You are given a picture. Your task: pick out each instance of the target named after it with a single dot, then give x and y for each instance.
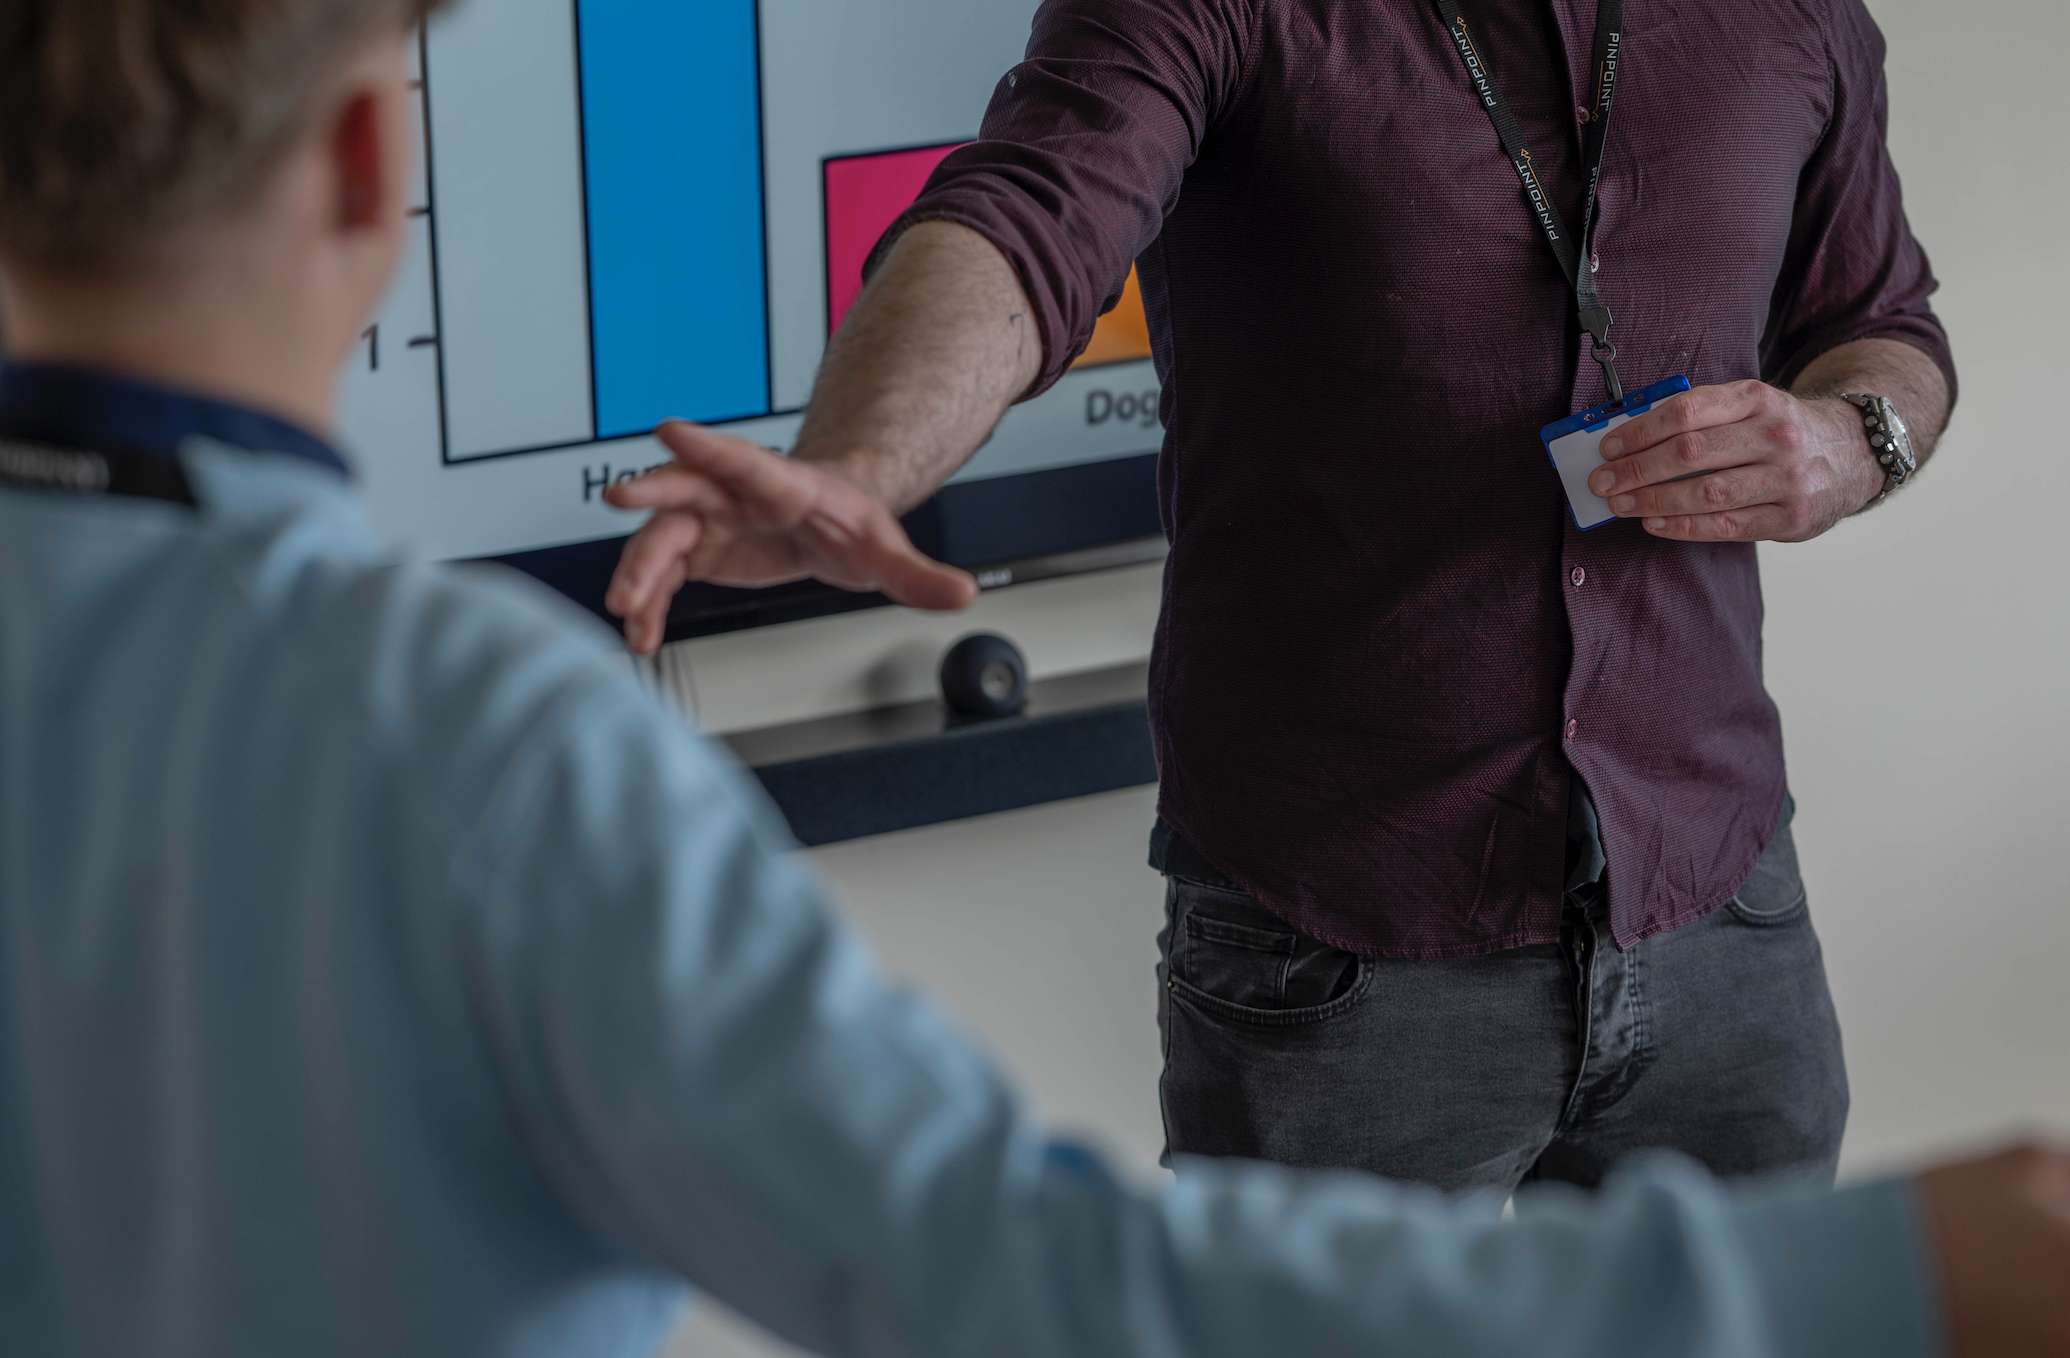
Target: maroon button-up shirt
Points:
(1385, 647)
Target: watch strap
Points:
(1887, 442)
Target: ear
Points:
(370, 161)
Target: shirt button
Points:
(1580, 577)
(1573, 728)
(1581, 112)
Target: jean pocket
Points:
(1228, 956)
(1774, 893)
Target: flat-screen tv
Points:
(641, 210)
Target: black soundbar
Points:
(898, 768)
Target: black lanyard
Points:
(1575, 256)
(70, 471)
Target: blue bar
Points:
(672, 123)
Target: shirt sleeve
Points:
(1084, 148)
(716, 1080)
(1853, 269)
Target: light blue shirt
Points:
(383, 971)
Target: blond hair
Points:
(124, 119)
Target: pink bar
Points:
(865, 195)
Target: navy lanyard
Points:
(70, 471)
(1576, 256)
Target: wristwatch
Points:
(1889, 440)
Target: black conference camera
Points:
(984, 677)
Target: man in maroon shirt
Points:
(1476, 823)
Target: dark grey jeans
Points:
(1717, 1040)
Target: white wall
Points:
(1921, 656)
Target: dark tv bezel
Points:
(1065, 520)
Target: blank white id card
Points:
(1575, 445)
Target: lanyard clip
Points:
(1597, 321)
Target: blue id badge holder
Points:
(1575, 445)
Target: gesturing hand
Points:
(727, 512)
(1745, 462)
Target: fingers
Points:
(669, 488)
(1703, 408)
(930, 586)
(1683, 455)
(734, 513)
(1715, 493)
(656, 553)
(716, 487)
(720, 475)
(1758, 523)
(647, 626)
(768, 489)
(654, 564)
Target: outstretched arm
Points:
(716, 1080)
(939, 346)
(994, 286)
(942, 342)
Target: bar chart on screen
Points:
(587, 290)
(635, 211)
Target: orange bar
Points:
(1123, 335)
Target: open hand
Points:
(1744, 462)
(727, 512)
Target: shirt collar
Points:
(85, 408)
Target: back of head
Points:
(124, 123)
